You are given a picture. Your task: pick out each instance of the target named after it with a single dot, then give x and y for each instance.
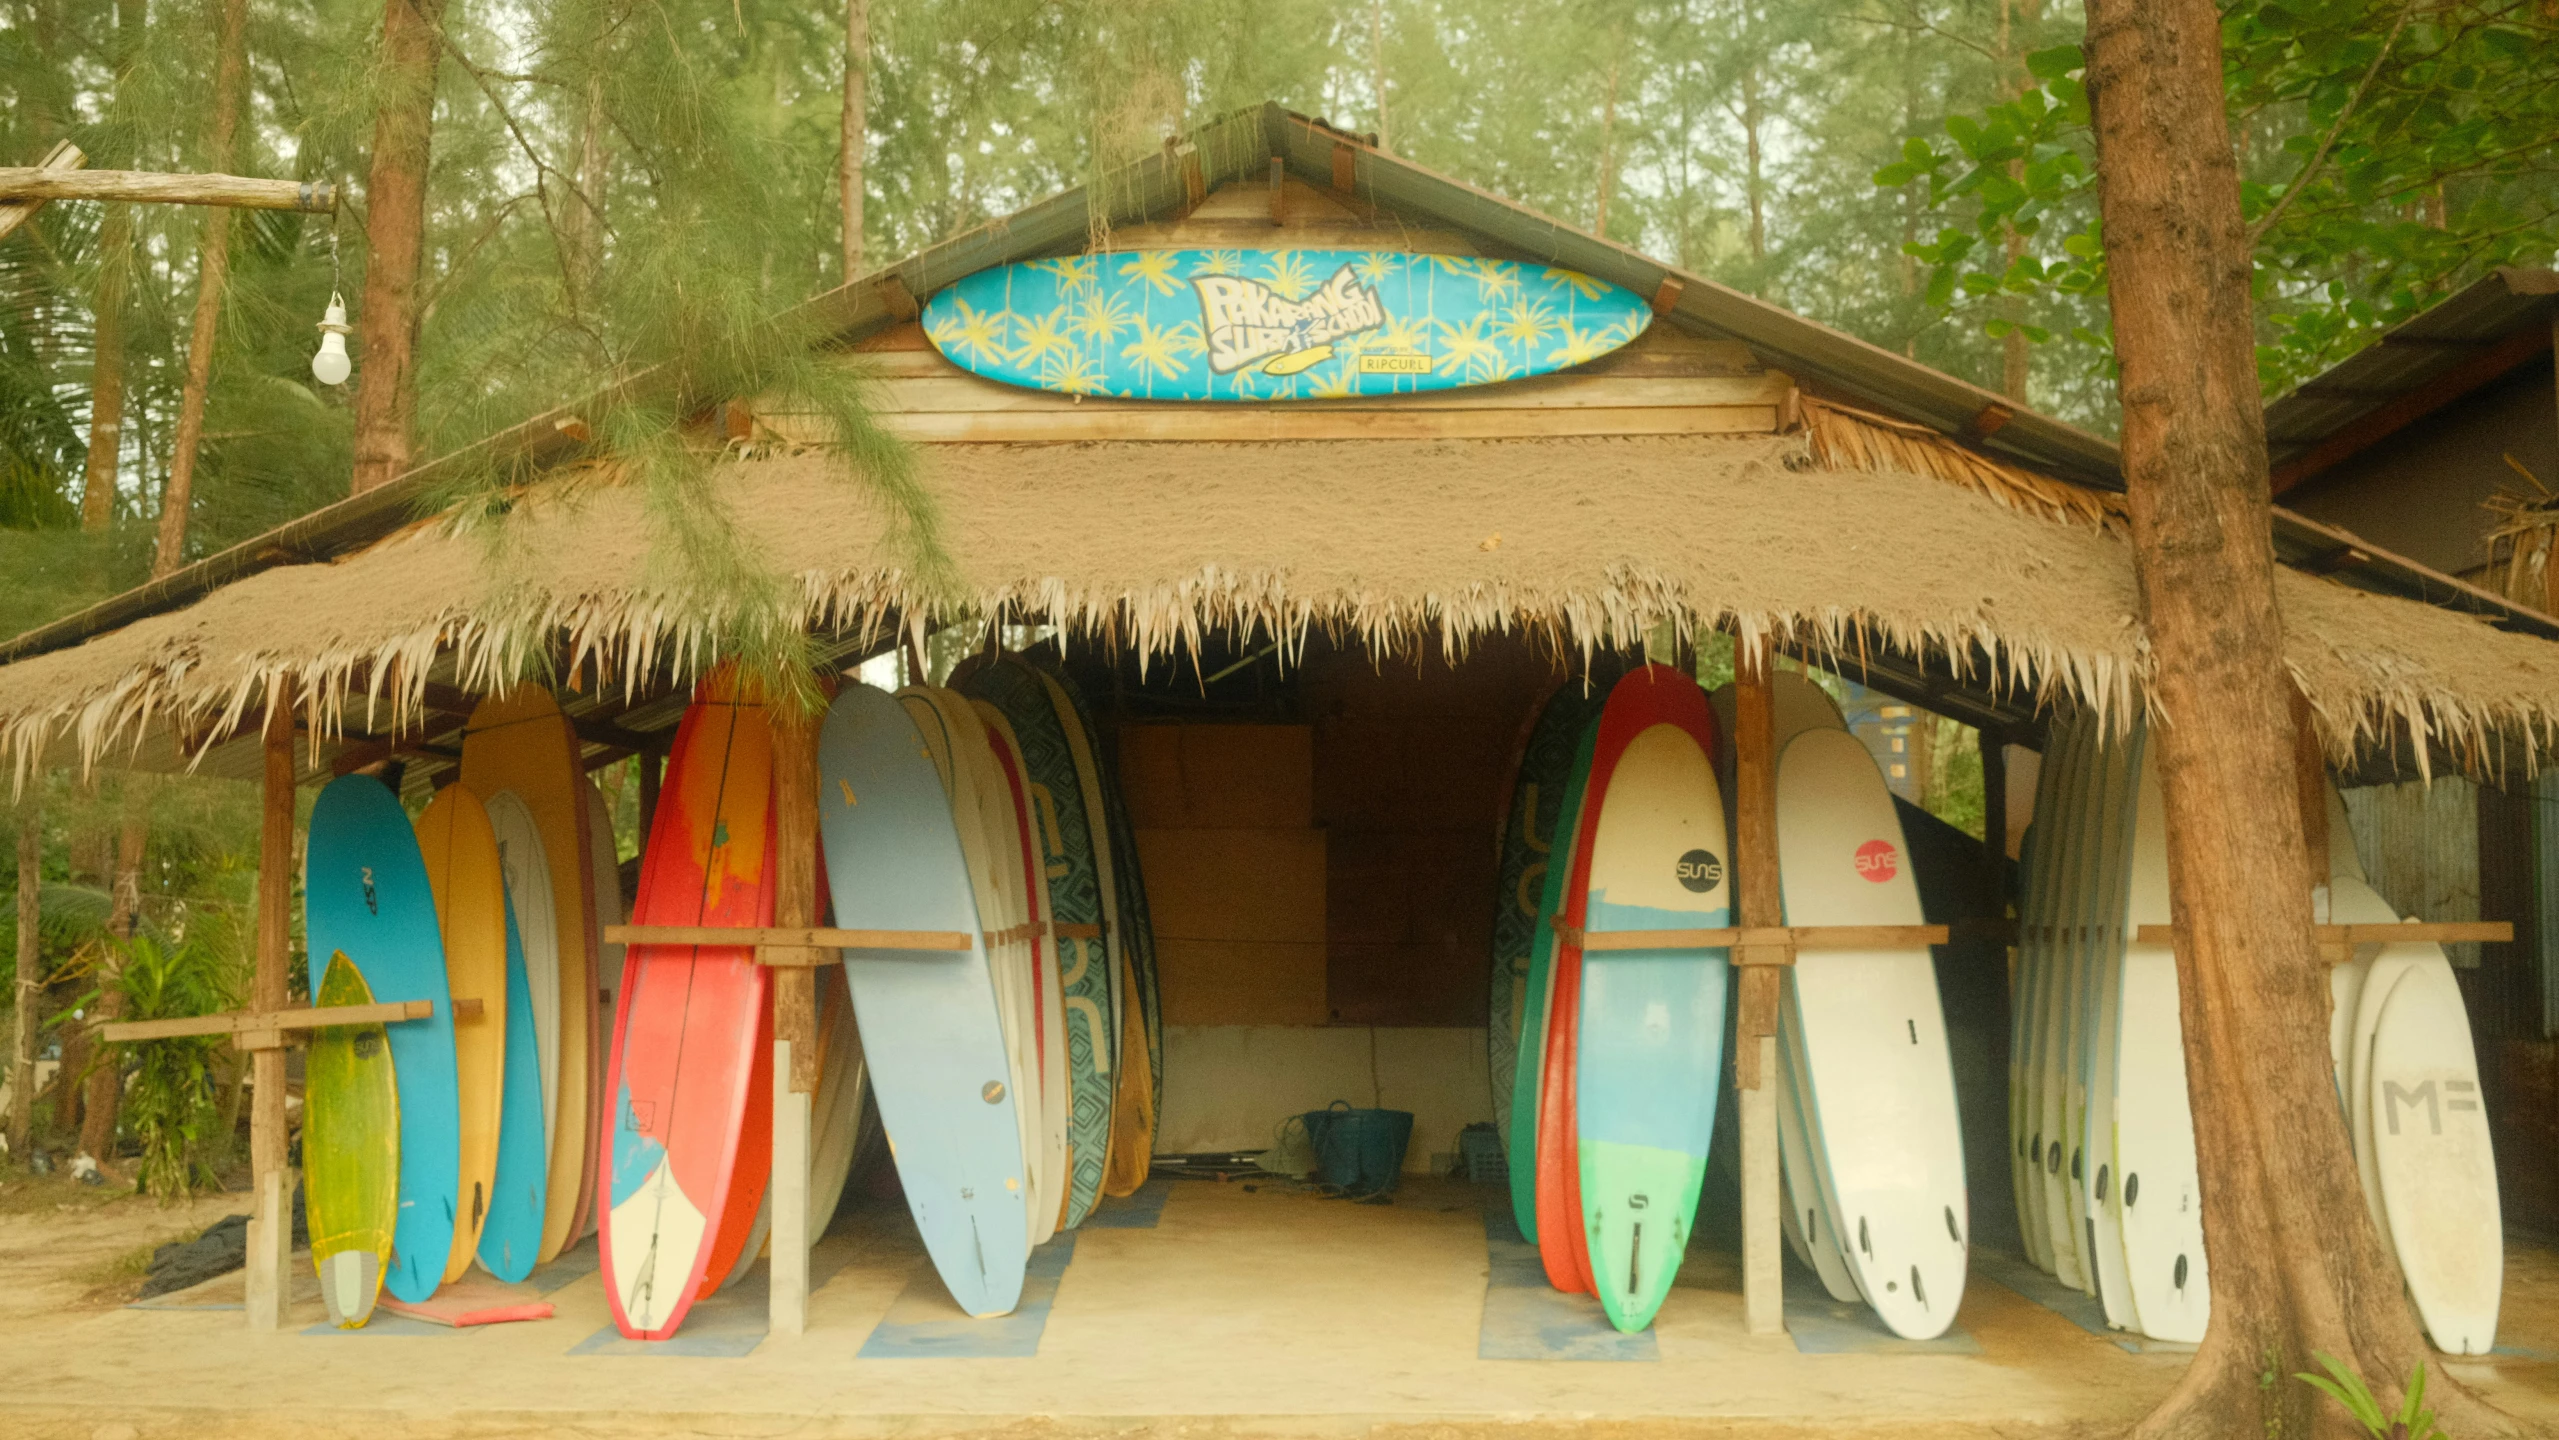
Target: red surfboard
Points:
(691, 1031)
(1642, 699)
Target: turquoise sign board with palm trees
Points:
(1261, 325)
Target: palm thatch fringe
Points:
(1844, 437)
(1581, 543)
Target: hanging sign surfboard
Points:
(1262, 325)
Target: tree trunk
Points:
(2015, 354)
(857, 128)
(106, 1082)
(1608, 135)
(386, 397)
(1752, 116)
(1377, 68)
(106, 370)
(585, 220)
(2270, 1145)
(213, 272)
(30, 989)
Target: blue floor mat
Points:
(727, 1325)
(571, 1265)
(2020, 1275)
(1140, 1211)
(924, 1323)
(1527, 1319)
(1823, 1326)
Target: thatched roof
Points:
(1589, 542)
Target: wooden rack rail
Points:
(795, 946)
(2441, 932)
(1769, 944)
(268, 1027)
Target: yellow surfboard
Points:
(519, 743)
(470, 908)
(350, 1151)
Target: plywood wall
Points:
(1230, 1087)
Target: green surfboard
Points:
(350, 1151)
(1530, 1060)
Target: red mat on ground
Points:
(475, 1299)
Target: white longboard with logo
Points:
(1879, 1097)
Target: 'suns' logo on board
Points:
(1699, 870)
(1878, 860)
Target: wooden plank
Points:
(1212, 423)
(819, 936)
(1761, 906)
(1796, 937)
(2442, 933)
(242, 1022)
(29, 182)
(964, 392)
(63, 156)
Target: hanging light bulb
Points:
(331, 366)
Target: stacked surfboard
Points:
(2408, 1086)
(1015, 1078)
(433, 1143)
(1620, 1051)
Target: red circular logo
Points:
(1878, 860)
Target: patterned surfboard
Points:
(1528, 1077)
(365, 894)
(1548, 742)
(1263, 325)
(350, 1150)
(1062, 830)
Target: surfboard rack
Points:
(796, 947)
(266, 1029)
(1760, 944)
(2441, 932)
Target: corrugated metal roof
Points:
(2473, 336)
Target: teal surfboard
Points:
(930, 1030)
(1262, 325)
(512, 1236)
(1538, 784)
(365, 895)
(1064, 833)
(1528, 1077)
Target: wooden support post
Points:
(271, 1224)
(2310, 780)
(22, 1044)
(1762, 904)
(795, 1041)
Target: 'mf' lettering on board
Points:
(1245, 321)
(2457, 1095)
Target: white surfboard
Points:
(835, 1112)
(2039, 920)
(2058, 1061)
(2381, 975)
(2351, 902)
(1027, 875)
(2432, 1152)
(1880, 1098)
(528, 888)
(2157, 1201)
(2100, 1014)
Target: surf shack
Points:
(1343, 506)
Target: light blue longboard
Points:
(365, 893)
(930, 1031)
(1263, 325)
(511, 1238)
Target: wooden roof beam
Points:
(2414, 405)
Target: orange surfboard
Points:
(461, 853)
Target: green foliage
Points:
(171, 1105)
(2413, 1421)
(2388, 153)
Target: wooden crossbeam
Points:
(2442, 933)
(38, 183)
(254, 1022)
(1771, 938)
(64, 156)
(795, 937)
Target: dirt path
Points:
(68, 1248)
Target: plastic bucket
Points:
(1359, 1152)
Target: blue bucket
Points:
(1359, 1152)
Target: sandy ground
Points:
(1260, 1314)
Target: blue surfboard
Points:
(1263, 325)
(930, 1031)
(365, 893)
(512, 1235)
